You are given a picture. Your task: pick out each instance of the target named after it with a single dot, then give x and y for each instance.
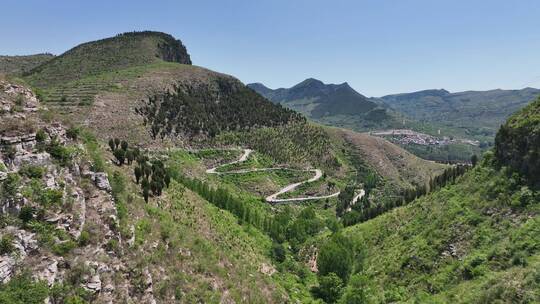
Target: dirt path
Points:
(356, 198)
(273, 197)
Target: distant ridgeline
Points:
(333, 104)
(18, 65)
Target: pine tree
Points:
(112, 145)
(138, 173)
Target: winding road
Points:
(273, 197)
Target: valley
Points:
(130, 175)
(273, 197)
(464, 122)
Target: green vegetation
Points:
(6, 244)
(450, 245)
(295, 144)
(195, 112)
(18, 65)
(517, 144)
(108, 55)
(471, 114)
(333, 104)
(22, 289)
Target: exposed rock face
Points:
(34, 159)
(7, 265)
(148, 296)
(49, 270)
(100, 179)
(81, 206)
(94, 284)
(24, 243)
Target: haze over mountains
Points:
(331, 102)
(476, 114)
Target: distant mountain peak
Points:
(325, 99)
(311, 83)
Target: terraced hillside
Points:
(80, 73)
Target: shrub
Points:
(23, 289)
(336, 256)
(6, 244)
(278, 252)
(73, 133)
(329, 289)
(32, 171)
(60, 153)
(10, 186)
(41, 136)
(26, 214)
(64, 247)
(51, 197)
(84, 238)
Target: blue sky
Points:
(378, 47)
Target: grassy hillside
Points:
(111, 54)
(517, 143)
(18, 65)
(173, 231)
(77, 75)
(474, 241)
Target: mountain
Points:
(476, 114)
(335, 104)
(316, 99)
(150, 72)
(150, 180)
(474, 241)
(83, 225)
(18, 65)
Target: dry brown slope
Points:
(389, 160)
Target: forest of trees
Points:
(518, 141)
(365, 209)
(283, 227)
(208, 111)
(151, 175)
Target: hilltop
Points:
(19, 65)
(111, 54)
(341, 106)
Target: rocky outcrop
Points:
(148, 296)
(34, 159)
(24, 243)
(100, 179)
